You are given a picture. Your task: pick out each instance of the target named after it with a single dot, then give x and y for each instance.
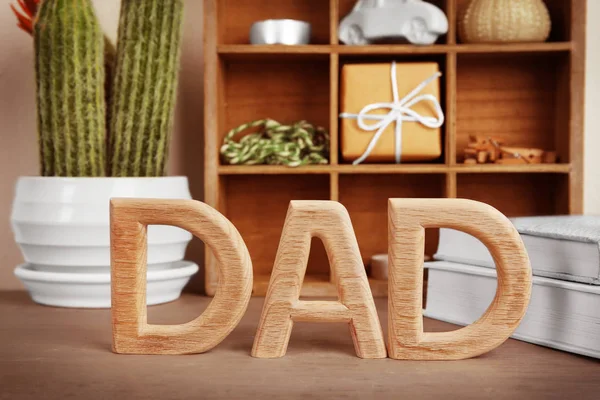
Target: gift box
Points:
(381, 125)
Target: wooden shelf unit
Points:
(530, 94)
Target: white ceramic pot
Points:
(62, 224)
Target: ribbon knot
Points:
(400, 110)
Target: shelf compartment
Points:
(284, 91)
(345, 7)
(493, 48)
(257, 206)
(235, 17)
(326, 169)
(560, 17)
(366, 198)
(518, 194)
(439, 59)
(521, 99)
(560, 14)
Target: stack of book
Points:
(564, 312)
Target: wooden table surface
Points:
(54, 353)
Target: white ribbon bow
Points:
(399, 111)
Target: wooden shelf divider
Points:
(334, 67)
(451, 12)
(393, 169)
(450, 109)
(514, 169)
(451, 185)
(546, 47)
(334, 179)
(334, 18)
(576, 87)
(334, 186)
(232, 50)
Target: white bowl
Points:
(92, 290)
(280, 31)
(63, 223)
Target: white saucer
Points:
(92, 290)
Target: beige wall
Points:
(18, 148)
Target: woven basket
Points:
(504, 21)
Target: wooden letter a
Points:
(329, 221)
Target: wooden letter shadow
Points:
(329, 221)
(407, 220)
(131, 332)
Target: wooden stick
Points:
(407, 220)
(329, 221)
(131, 332)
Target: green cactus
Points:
(69, 46)
(144, 89)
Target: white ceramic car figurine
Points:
(417, 21)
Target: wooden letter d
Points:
(131, 332)
(406, 235)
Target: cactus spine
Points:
(69, 47)
(144, 90)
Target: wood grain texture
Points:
(237, 16)
(391, 169)
(516, 195)
(451, 11)
(317, 285)
(513, 169)
(577, 104)
(334, 20)
(334, 195)
(334, 79)
(213, 88)
(450, 110)
(285, 91)
(524, 48)
(262, 236)
(451, 185)
(320, 364)
(407, 220)
(511, 98)
(131, 332)
(240, 51)
(330, 222)
(266, 49)
(366, 198)
(66, 356)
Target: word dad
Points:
(329, 221)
